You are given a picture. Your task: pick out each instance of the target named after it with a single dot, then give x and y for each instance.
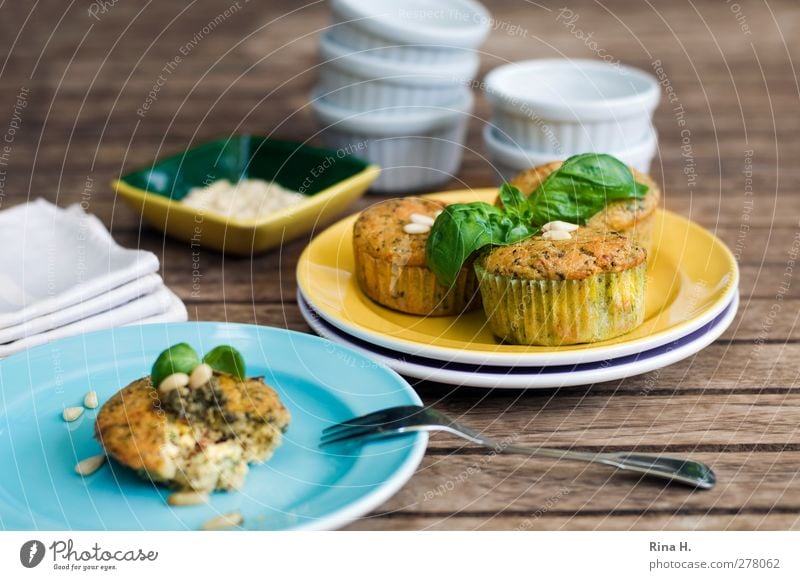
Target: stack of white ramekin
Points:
(548, 110)
(395, 85)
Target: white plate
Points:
(495, 377)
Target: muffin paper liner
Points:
(414, 289)
(559, 312)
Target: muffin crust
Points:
(588, 253)
(379, 230)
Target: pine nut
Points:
(187, 498)
(172, 382)
(71, 414)
(416, 229)
(200, 375)
(419, 218)
(89, 465)
(556, 235)
(90, 400)
(561, 226)
(224, 521)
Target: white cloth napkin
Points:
(61, 274)
(160, 306)
(52, 258)
(108, 301)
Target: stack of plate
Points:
(395, 85)
(62, 274)
(550, 109)
(692, 297)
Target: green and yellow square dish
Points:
(332, 180)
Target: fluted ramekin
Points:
(509, 159)
(364, 82)
(441, 31)
(569, 106)
(416, 147)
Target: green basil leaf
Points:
(514, 202)
(226, 359)
(582, 187)
(463, 228)
(179, 358)
(601, 170)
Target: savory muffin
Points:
(630, 217)
(551, 290)
(389, 246)
(194, 438)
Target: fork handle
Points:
(684, 471)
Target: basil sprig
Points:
(182, 358)
(580, 188)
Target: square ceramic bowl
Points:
(332, 180)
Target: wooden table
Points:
(733, 167)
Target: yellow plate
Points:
(331, 181)
(692, 277)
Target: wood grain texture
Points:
(727, 159)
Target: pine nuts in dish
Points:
(246, 200)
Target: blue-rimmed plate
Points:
(302, 486)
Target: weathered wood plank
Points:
(515, 485)
(582, 522)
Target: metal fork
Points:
(409, 419)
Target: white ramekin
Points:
(364, 82)
(419, 148)
(436, 31)
(508, 159)
(569, 106)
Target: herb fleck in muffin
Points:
(630, 217)
(551, 292)
(389, 241)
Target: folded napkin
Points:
(53, 258)
(108, 301)
(61, 274)
(160, 306)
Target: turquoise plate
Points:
(301, 487)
